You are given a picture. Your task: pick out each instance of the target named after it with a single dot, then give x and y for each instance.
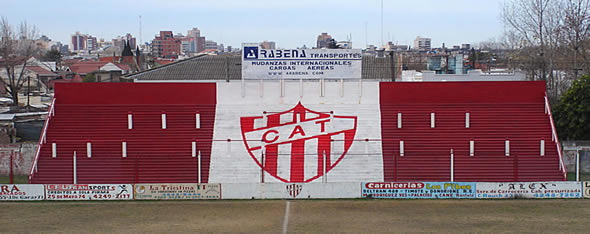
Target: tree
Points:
(573, 112)
(16, 49)
(577, 24)
(90, 77)
(537, 24)
(53, 55)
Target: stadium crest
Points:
(294, 189)
(297, 143)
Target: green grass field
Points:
(304, 216)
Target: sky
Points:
(290, 24)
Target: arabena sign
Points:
(258, 63)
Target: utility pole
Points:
(28, 92)
(392, 60)
(381, 23)
(366, 35)
(140, 41)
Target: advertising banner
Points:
(22, 192)
(89, 191)
(586, 187)
(177, 191)
(529, 190)
(418, 190)
(291, 190)
(258, 63)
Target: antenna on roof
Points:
(366, 35)
(140, 41)
(382, 23)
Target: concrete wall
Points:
(569, 156)
(473, 75)
(236, 101)
(23, 160)
(291, 191)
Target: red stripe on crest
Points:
(324, 146)
(297, 161)
(272, 151)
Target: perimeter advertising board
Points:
(22, 192)
(586, 187)
(290, 190)
(177, 191)
(418, 190)
(530, 190)
(89, 191)
(275, 64)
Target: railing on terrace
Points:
(42, 140)
(554, 136)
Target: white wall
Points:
(231, 162)
(281, 191)
(473, 75)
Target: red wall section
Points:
(97, 113)
(499, 111)
(135, 93)
(462, 92)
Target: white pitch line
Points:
(286, 220)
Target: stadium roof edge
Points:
(131, 76)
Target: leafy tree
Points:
(53, 55)
(89, 78)
(573, 112)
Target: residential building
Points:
(210, 45)
(187, 45)
(344, 44)
(83, 42)
(422, 43)
(323, 40)
(165, 45)
(120, 41)
(91, 43)
(196, 42)
(78, 41)
(393, 47)
(271, 45)
(446, 64)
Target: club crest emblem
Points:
(298, 145)
(294, 189)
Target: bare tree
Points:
(16, 50)
(528, 19)
(576, 33)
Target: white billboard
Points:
(276, 64)
(561, 189)
(187, 191)
(22, 192)
(89, 191)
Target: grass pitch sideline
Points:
(305, 216)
